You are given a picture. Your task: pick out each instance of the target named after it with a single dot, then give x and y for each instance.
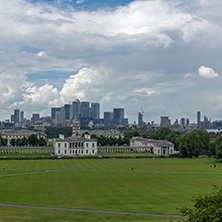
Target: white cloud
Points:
(80, 1)
(207, 72)
(143, 92)
(136, 54)
(187, 75)
(42, 54)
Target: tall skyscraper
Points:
(198, 119)
(140, 119)
(118, 116)
(164, 121)
(62, 114)
(85, 110)
(53, 112)
(108, 117)
(182, 122)
(75, 109)
(95, 110)
(22, 116)
(17, 115)
(67, 109)
(12, 118)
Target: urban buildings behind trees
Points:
(164, 121)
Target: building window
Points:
(65, 151)
(76, 151)
(58, 151)
(86, 144)
(86, 151)
(92, 151)
(59, 145)
(82, 151)
(70, 151)
(65, 144)
(93, 145)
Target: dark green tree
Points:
(194, 144)
(218, 147)
(3, 141)
(67, 131)
(212, 149)
(33, 140)
(136, 133)
(42, 141)
(13, 142)
(161, 134)
(175, 138)
(205, 208)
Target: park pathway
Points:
(89, 211)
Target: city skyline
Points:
(160, 55)
(86, 111)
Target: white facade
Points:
(158, 147)
(74, 146)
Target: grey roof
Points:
(152, 141)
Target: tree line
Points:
(192, 144)
(32, 140)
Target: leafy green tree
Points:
(3, 141)
(67, 131)
(161, 134)
(13, 142)
(136, 133)
(175, 138)
(205, 208)
(42, 141)
(33, 140)
(183, 148)
(18, 142)
(212, 149)
(218, 147)
(194, 144)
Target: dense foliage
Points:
(192, 144)
(205, 208)
(55, 131)
(161, 134)
(32, 140)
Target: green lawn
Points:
(5, 156)
(156, 186)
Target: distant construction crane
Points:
(142, 111)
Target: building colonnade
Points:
(26, 150)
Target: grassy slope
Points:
(154, 186)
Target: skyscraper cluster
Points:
(86, 113)
(17, 117)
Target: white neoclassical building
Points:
(158, 147)
(75, 145)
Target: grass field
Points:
(2, 156)
(156, 186)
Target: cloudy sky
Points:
(162, 56)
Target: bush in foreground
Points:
(205, 208)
